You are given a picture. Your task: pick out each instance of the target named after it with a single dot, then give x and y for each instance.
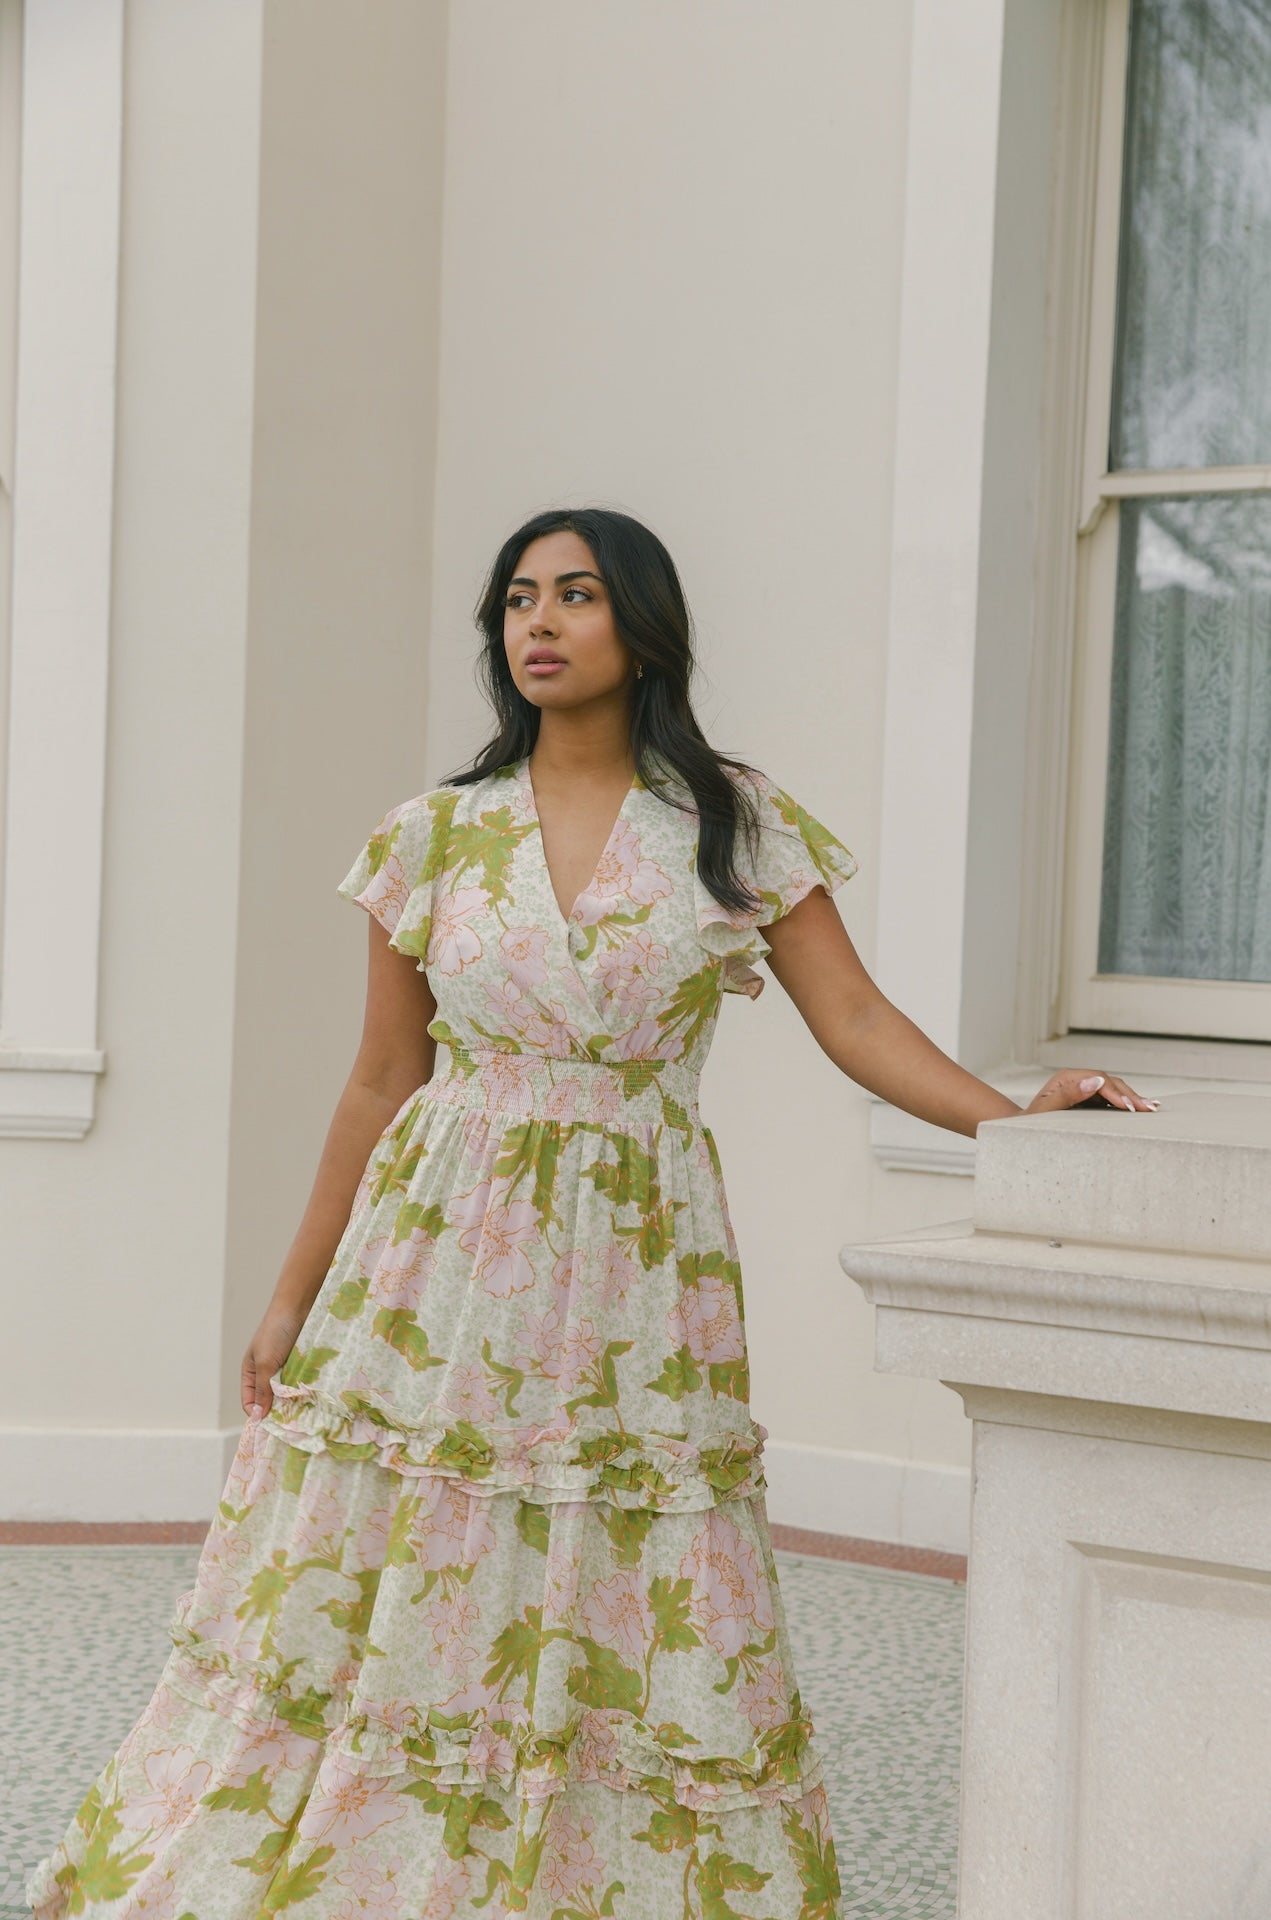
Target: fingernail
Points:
(1092, 1084)
(258, 1413)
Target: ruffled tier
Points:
(662, 1473)
(386, 1685)
(489, 1748)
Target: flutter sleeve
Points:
(396, 872)
(795, 853)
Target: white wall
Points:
(671, 282)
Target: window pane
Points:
(1193, 368)
(1187, 836)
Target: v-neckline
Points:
(567, 919)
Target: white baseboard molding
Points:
(113, 1473)
(868, 1495)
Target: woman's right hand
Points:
(267, 1349)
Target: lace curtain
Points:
(1187, 856)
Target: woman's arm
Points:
(880, 1048)
(396, 1055)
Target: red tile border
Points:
(870, 1553)
(149, 1533)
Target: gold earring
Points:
(639, 669)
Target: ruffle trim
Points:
(601, 1746)
(796, 853)
(394, 877)
(653, 1471)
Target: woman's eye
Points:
(580, 591)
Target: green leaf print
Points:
(294, 1468)
(399, 1552)
(299, 1883)
(692, 1005)
(303, 1367)
(654, 1238)
(103, 1875)
(306, 1714)
(605, 1376)
(380, 845)
(679, 1376)
(668, 1832)
(605, 1681)
(488, 843)
(533, 1525)
(403, 1157)
(714, 1265)
(676, 1117)
(354, 1616)
(730, 1379)
(400, 1327)
(516, 1652)
(418, 1216)
(268, 1853)
(348, 1299)
(627, 1528)
(252, 1797)
(465, 1811)
(515, 1887)
(670, 1601)
(266, 1590)
(817, 1867)
(818, 840)
(504, 1381)
(720, 1874)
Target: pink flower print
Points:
(641, 1042)
(549, 1030)
(253, 1472)
(450, 1620)
(223, 1555)
(569, 1861)
(600, 1748)
(568, 1270)
(616, 1614)
(703, 1150)
(562, 1101)
(397, 1273)
(451, 1527)
(165, 1707)
(731, 1601)
(373, 1891)
(453, 944)
(320, 1525)
(564, 1559)
(507, 1009)
(491, 1752)
(764, 1700)
(386, 892)
(178, 1781)
(153, 1899)
(624, 875)
(628, 971)
(272, 1748)
(617, 1273)
(450, 1884)
(540, 1340)
(372, 1539)
(506, 1084)
(578, 1347)
(467, 1394)
(476, 1134)
(347, 1805)
(606, 1100)
(524, 951)
(494, 1233)
(706, 1321)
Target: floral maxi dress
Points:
(487, 1622)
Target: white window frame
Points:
(62, 497)
(1007, 109)
(1230, 1010)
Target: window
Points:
(1168, 923)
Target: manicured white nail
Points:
(1092, 1084)
(258, 1413)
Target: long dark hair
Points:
(653, 620)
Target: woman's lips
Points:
(545, 667)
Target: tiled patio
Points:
(83, 1635)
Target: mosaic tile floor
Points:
(83, 1634)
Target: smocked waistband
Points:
(533, 1086)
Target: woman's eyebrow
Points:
(523, 580)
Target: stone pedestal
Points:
(1106, 1318)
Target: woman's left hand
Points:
(1074, 1086)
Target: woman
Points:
(488, 1620)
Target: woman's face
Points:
(558, 628)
